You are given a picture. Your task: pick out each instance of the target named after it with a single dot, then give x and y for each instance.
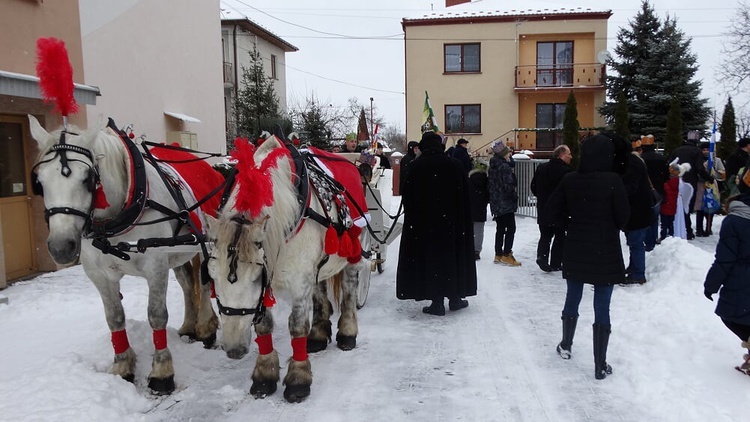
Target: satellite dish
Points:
(602, 56)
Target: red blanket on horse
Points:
(200, 178)
(345, 173)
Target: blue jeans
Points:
(602, 298)
(636, 242)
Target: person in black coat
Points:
(412, 148)
(640, 199)
(546, 178)
(436, 259)
(735, 162)
(595, 200)
(658, 172)
(730, 272)
(461, 153)
(691, 154)
(480, 197)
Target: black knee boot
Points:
(601, 340)
(568, 331)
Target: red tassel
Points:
(332, 241)
(56, 74)
(345, 246)
(268, 299)
(100, 198)
(355, 231)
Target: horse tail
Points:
(335, 284)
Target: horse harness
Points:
(101, 230)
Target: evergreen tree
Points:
(256, 107)
(728, 131)
(314, 128)
(622, 119)
(571, 127)
(632, 50)
(655, 65)
(675, 128)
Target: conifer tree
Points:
(728, 131)
(621, 117)
(571, 127)
(256, 107)
(675, 128)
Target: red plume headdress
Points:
(56, 75)
(255, 184)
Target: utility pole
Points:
(372, 135)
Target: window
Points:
(549, 116)
(273, 67)
(463, 118)
(554, 63)
(462, 58)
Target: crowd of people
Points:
(619, 186)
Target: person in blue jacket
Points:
(730, 272)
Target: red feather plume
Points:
(56, 75)
(255, 184)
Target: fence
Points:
(524, 170)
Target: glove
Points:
(708, 295)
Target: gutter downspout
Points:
(236, 65)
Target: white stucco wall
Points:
(151, 56)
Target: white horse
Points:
(255, 251)
(96, 187)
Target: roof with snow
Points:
(504, 10)
(231, 16)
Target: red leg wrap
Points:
(299, 349)
(265, 344)
(160, 339)
(120, 341)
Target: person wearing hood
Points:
(596, 203)
(436, 257)
(730, 272)
(503, 187)
(691, 154)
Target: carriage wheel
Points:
(379, 263)
(363, 288)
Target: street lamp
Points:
(372, 135)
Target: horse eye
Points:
(258, 245)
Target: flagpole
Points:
(712, 146)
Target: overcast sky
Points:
(355, 48)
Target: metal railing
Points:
(590, 75)
(524, 170)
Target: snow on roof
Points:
(506, 8)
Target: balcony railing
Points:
(228, 73)
(589, 75)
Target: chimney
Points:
(449, 3)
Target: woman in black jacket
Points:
(594, 199)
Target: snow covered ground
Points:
(494, 361)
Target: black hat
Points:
(411, 145)
(743, 142)
(462, 141)
(431, 140)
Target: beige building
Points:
(493, 73)
(155, 64)
(239, 37)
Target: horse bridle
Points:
(61, 149)
(233, 253)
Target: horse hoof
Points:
(260, 390)
(346, 342)
(296, 393)
(209, 341)
(314, 346)
(129, 378)
(161, 385)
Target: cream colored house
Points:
(155, 64)
(497, 73)
(239, 37)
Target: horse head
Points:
(66, 175)
(238, 263)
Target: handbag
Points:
(655, 199)
(710, 201)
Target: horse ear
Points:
(38, 132)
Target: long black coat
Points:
(546, 178)
(436, 258)
(404, 169)
(479, 193)
(657, 166)
(638, 189)
(731, 268)
(690, 153)
(595, 199)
